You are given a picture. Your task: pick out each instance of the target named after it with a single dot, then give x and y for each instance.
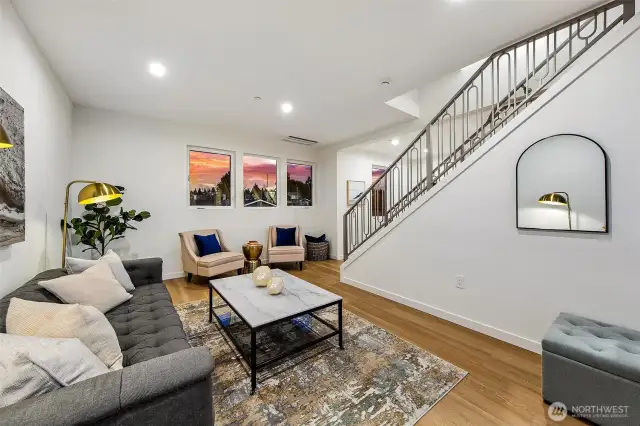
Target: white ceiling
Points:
(382, 145)
(327, 57)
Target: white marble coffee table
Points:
(288, 321)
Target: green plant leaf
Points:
(97, 228)
(103, 210)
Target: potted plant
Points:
(97, 228)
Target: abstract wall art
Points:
(12, 171)
(355, 189)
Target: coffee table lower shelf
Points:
(272, 342)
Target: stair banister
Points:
(375, 210)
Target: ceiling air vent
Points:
(301, 141)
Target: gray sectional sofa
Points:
(164, 380)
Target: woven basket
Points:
(318, 251)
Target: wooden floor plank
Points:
(503, 386)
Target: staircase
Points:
(508, 82)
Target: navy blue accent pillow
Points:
(321, 239)
(285, 237)
(207, 244)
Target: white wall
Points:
(149, 158)
(518, 281)
(26, 76)
(327, 203)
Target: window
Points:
(376, 173)
(260, 181)
(299, 184)
(210, 178)
(379, 195)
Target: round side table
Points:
(252, 251)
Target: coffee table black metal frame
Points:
(251, 358)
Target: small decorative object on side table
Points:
(252, 251)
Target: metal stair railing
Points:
(502, 87)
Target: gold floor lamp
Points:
(95, 192)
(557, 199)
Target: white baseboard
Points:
(173, 275)
(505, 336)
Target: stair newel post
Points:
(429, 159)
(345, 237)
(628, 10)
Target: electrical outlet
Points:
(460, 281)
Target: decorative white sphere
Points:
(275, 286)
(262, 276)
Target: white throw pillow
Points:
(77, 266)
(27, 318)
(31, 366)
(95, 287)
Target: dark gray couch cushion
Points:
(606, 347)
(147, 325)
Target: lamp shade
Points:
(554, 199)
(98, 193)
(5, 142)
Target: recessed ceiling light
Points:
(156, 69)
(395, 142)
(425, 150)
(286, 107)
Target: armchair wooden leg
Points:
(189, 276)
(239, 271)
(301, 263)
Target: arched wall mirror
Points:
(561, 185)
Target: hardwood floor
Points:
(503, 385)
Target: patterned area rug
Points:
(378, 379)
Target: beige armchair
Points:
(284, 254)
(213, 264)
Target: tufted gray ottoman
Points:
(593, 368)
